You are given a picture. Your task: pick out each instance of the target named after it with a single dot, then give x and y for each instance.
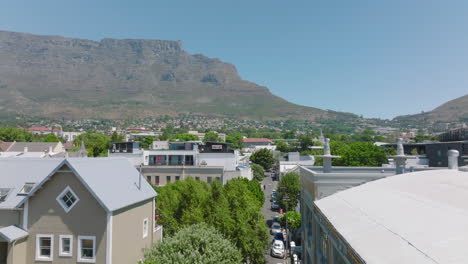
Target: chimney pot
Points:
(453, 159)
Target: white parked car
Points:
(277, 249)
(275, 228)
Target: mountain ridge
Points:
(55, 76)
(455, 110)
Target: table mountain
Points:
(53, 76)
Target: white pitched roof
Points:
(112, 181)
(419, 217)
(12, 233)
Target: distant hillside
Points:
(54, 76)
(454, 110)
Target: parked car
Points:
(275, 228)
(275, 219)
(279, 236)
(277, 249)
(274, 206)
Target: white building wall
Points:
(227, 160)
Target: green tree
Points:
(51, 138)
(115, 137)
(198, 243)
(263, 157)
(258, 172)
(293, 218)
(186, 137)
(289, 186)
(235, 140)
(95, 143)
(10, 134)
(233, 209)
(306, 142)
(211, 137)
(282, 146)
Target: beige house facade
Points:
(74, 211)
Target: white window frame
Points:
(38, 247)
(64, 206)
(145, 227)
(82, 260)
(65, 254)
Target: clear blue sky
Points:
(377, 58)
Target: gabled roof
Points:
(33, 146)
(419, 217)
(4, 146)
(112, 181)
(255, 140)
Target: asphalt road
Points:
(268, 213)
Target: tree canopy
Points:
(186, 137)
(10, 134)
(211, 137)
(258, 172)
(95, 143)
(232, 209)
(289, 186)
(293, 218)
(282, 146)
(197, 243)
(263, 157)
(51, 138)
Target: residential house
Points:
(75, 210)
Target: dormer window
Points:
(67, 199)
(26, 188)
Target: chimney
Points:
(25, 149)
(453, 159)
(50, 149)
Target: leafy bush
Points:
(198, 243)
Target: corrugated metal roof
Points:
(12, 233)
(113, 181)
(253, 140)
(419, 217)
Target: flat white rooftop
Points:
(419, 217)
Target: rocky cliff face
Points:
(55, 76)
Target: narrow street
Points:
(268, 213)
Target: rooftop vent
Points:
(4, 193)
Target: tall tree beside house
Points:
(289, 186)
(264, 158)
(211, 137)
(198, 243)
(145, 142)
(95, 143)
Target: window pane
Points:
(66, 245)
(87, 253)
(45, 252)
(45, 242)
(86, 243)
